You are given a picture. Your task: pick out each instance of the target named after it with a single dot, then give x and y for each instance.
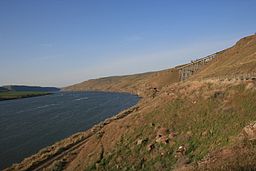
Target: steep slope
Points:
(238, 60)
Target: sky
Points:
(62, 42)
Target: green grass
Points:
(20, 94)
(221, 121)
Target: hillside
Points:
(198, 124)
(238, 60)
(140, 84)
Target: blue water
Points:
(27, 125)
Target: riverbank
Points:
(11, 95)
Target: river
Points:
(30, 124)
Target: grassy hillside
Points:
(199, 124)
(200, 116)
(204, 117)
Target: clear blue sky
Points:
(61, 42)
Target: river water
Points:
(30, 124)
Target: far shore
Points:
(12, 95)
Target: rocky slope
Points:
(198, 124)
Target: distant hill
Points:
(2, 89)
(140, 84)
(30, 88)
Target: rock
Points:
(162, 132)
(250, 86)
(189, 133)
(162, 135)
(99, 134)
(194, 102)
(97, 165)
(150, 147)
(141, 141)
(172, 135)
(152, 124)
(158, 140)
(180, 151)
(205, 133)
(250, 131)
(107, 121)
(218, 94)
(211, 131)
(162, 139)
(187, 136)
